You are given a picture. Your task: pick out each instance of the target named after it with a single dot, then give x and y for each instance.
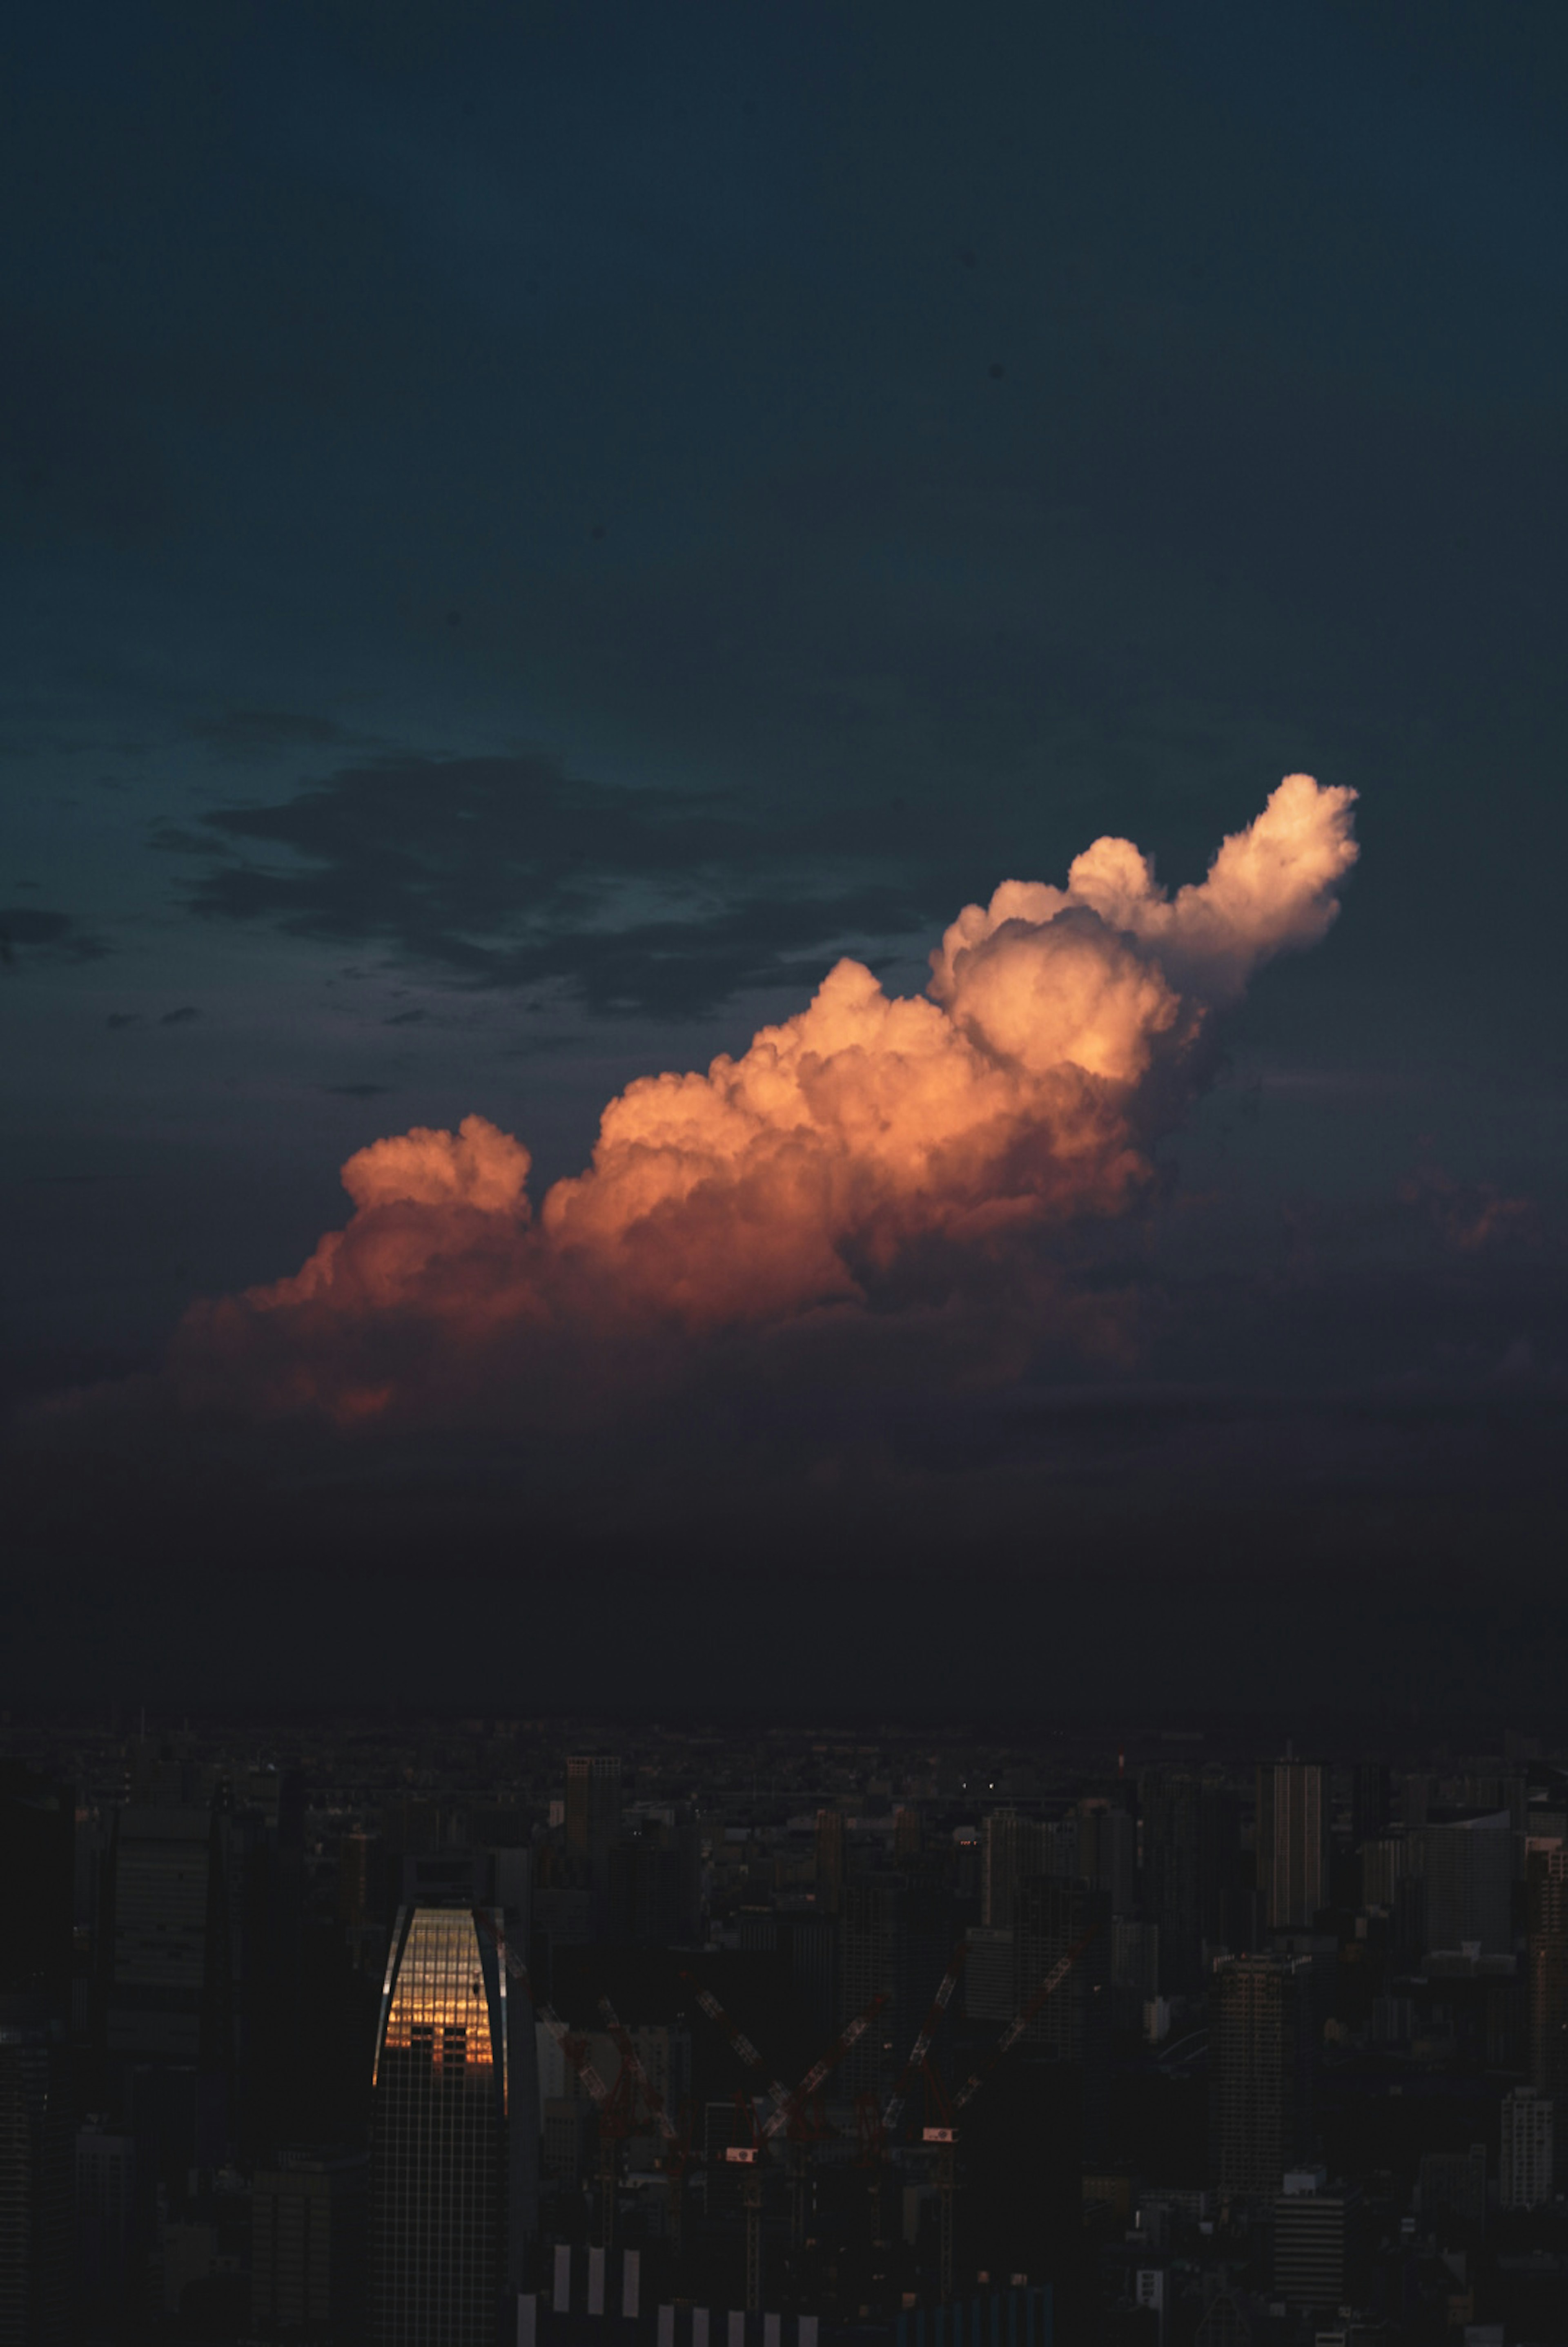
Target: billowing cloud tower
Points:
(1060, 1032)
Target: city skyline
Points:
(330, 2031)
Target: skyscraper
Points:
(168, 1916)
(1191, 1867)
(1292, 1842)
(455, 2134)
(37, 1824)
(1546, 1874)
(830, 1854)
(593, 1823)
(35, 2142)
(1467, 1867)
(1260, 2055)
(1013, 1850)
(1524, 2155)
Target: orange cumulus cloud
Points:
(1019, 1094)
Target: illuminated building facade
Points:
(455, 2134)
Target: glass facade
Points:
(438, 2177)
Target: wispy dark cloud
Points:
(509, 872)
(28, 932)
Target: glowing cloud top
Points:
(1057, 1039)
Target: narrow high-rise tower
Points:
(593, 1823)
(1292, 1842)
(455, 2134)
(1260, 2071)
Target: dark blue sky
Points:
(526, 530)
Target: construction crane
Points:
(942, 2137)
(777, 2093)
(920, 2052)
(1021, 2020)
(790, 2114)
(677, 2148)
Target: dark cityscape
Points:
(358, 2029)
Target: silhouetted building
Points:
(455, 2135)
(1013, 1850)
(1372, 1800)
(168, 1911)
(105, 2210)
(1309, 2247)
(1192, 1871)
(35, 2178)
(38, 1827)
(829, 1860)
(1135, 1970)
(1452, 2183)
(1467, 1865)
(1260, 2056)
(990, 1990)
(1292, 1842)
(308, 2245)
(656, 1881)
(1547, 1883)
(1524, 2149)
(1108, 1852)
(594, 1821)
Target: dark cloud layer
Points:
(1051, 1548)
(507, 871)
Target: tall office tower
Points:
(37, 1885)
(1467, 1864)
(1546, 1881)
(830, 1847)
(1108, 1852)
(35, 2178)
(454, 2136)
(1191, 1871)
(105, 2197)
(655, 1880)
(1372, 1800)
(1524, 2153)
(1015, 1849)
(1292, 1842)
(1135, 1970)
(1260, 2071)
(593, 1823)
(170, 1924)
(592, 1801)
